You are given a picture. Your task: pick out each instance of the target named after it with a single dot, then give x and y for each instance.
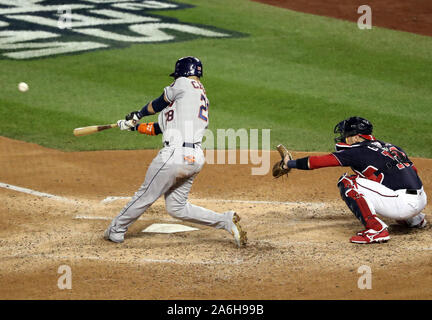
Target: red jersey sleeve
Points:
(328, 160)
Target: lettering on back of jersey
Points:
(203, 113)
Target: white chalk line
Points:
(35, 193)
(287, 203)
(79, 217)
(315, 205)
(112, 199)
(84, 217)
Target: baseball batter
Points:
(183, 116)
(385, 182)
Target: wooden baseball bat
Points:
(92, 129)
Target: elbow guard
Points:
(150, 129)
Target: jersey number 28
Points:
(169, 115)
(203, 113)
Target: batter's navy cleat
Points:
(112, 236)
(237, 231)
(418, 222)
(371, 236)
(422, 224)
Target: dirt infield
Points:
(298, 235)
(412, 16)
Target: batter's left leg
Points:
(178, 207)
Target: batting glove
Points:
(126, 125)
(134, 115)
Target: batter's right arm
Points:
(154, 106)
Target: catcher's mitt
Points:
(279, 168)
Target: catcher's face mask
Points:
(340, 130)
(351, 127)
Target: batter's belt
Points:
(185, 144)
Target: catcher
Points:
(385, 182)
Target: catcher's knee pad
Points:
(354, 200)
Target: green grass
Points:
(293, 73)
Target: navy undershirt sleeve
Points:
(158, 105)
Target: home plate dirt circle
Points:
(298, 232)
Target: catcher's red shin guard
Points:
(357, 203)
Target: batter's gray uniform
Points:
(173, 170)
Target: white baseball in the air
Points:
(23, 87)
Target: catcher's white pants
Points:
(398, 205)
(171, 173)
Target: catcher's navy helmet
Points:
(187, 66)
(351, 127)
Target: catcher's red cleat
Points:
(371, 236)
